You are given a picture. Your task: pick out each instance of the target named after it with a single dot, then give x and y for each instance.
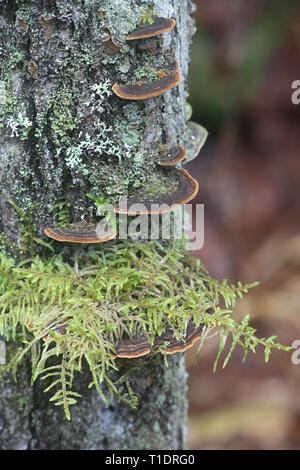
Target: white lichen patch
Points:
(100, 144)
(19, 125)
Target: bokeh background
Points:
(245, 56)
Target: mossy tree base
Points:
(29, 421)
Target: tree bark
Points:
(52, 55)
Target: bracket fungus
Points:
(110, 42)
(167, 79)
(182, 189)
(81, 232)
(192, 335)
(160, 25)
(131, 349)
(171, 156)
(197, 138)
(138, 347)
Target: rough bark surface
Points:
(52, 54)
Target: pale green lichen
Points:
(63, 120)
(146, 73)
(19, 125)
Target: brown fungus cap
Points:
(174, 346)
(142, 91)
(81, 233)
(171, 156)
(138, 347)
(160, 25)
(183, 188)
(131, 349)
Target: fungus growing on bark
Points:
(182, 189)
(131, 349)
(160, 25)
(197, 138)
(171, 156)
(48, 22)
(81, 232)
(174, 346)
(167, 79)
(138, 347)
(110, 42)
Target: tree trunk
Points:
(54, 58)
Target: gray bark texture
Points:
(52, 55)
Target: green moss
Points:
(61, 211)
(113, 292)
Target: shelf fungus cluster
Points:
(182, 189)
(133, 348)
(158, 26)
(167, 78)
(170, 187)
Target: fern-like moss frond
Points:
(118, 290)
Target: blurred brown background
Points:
(245, 56)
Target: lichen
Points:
(63, 120)
(116, 291)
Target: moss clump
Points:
(69, 315)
